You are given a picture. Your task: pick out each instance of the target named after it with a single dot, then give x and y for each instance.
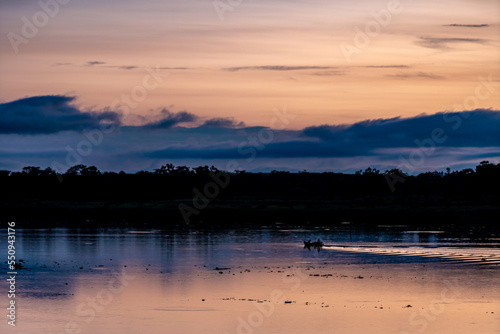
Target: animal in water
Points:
(313, 244)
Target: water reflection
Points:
(254, 282)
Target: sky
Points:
(250, 84)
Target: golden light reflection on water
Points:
(278, 288)
(323, 299)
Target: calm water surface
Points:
(247, 281)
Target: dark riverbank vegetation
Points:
(178, 196)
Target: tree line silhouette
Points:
(83, 193)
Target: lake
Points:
(254, 281)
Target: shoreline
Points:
(472, 218)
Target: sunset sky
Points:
(184, 81)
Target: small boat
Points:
(313, 244)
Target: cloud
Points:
(49, 114)
(130, 67)
(418, 75)
(167, 119)
(443, 43)
(170, 119)
(380, 138)
(221, 122)
(55, 113)
(174, 68)
(476, 128)
(292, 149)
(95, 62)
(122, 67)
(467, 25)
(462, 139)
(276, 68)
(386, 66)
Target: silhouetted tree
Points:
(165, 169)
(320, 193)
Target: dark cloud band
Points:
(49, 114)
